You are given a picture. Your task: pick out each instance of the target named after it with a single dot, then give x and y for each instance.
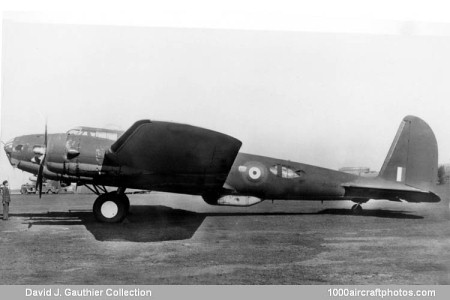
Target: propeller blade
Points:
(39, 180)
(45, 136)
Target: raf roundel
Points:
(254, 173)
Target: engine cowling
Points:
(232, 200)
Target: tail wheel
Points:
(110, 208)
(357, 209)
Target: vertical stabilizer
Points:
(413, 156)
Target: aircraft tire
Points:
(123, 198)
(126, 201)
(110, 208)
(357, 209)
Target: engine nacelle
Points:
(233, 200)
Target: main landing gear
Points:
(111, 207)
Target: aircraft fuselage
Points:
(84, 159)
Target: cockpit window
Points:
(106, 135)
(75, 131)
(285, 172)
(113, 136)
(100, 134)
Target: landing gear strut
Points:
(111, 207)
(357, 209)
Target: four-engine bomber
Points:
(179, 158)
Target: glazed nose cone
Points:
(8, 148)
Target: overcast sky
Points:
(324, 98)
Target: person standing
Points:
(6, 198)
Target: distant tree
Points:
(441, 175)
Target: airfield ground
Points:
(176, 239)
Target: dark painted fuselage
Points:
(83, 158)
(271, 178)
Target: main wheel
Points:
(110, 208)
(125, 200)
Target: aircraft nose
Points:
(9, 147)
(9, 152)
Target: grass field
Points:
(177, 239)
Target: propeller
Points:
(43, 152)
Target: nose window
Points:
(18, 148)
(38, 149)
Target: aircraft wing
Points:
(179, 156)
(384, 189)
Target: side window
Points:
(284, 172)
(38, 149)
(274, 170)
(18, 148)
(291, 174)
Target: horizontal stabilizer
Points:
(378, 189)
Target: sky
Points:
(325, 93)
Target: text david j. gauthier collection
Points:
(88, 292)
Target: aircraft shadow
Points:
(145, 224)
(380, 213)
(161, 223)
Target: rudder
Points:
(413, 156)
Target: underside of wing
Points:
(176, 156)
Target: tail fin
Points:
(413, 156)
